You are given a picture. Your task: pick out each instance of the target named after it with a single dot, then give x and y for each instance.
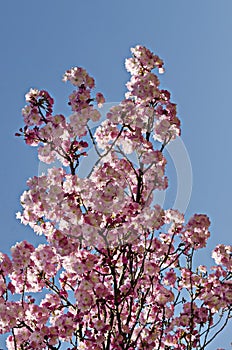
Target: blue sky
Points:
(41, 39)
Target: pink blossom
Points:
(223, 255)
(100, 99)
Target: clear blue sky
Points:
(41, 39)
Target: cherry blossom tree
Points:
(117, 271)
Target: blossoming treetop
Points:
(117, 270)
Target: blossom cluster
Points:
(56, 137)
(117, 271)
